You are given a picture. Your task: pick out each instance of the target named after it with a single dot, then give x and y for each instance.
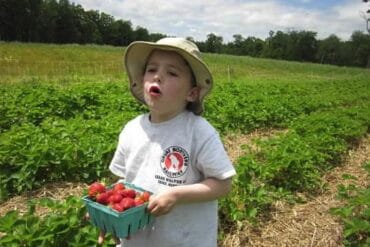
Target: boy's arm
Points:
(207, 190)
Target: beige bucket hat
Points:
(137, 54)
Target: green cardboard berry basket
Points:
(120, 224)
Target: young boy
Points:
(172, 151)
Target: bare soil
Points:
(58, 191)
(307, 224)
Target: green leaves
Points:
(355, 213)
(294, 161)
(64, 225)
(51, 133)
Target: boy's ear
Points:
(193, 94)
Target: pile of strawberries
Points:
(118, 197)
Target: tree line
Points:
(53, 21)
(297, 46)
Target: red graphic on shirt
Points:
(174, 162)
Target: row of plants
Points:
(47, 129)
(245, 106)
(32, 102)
(290, 162)
(293, 161)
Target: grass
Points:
(81, 63)
(270, 70)
(23, 62)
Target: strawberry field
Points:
(61, 116)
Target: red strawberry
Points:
(115, 198)
(128, 193)
(109, 192)
(145, 196)
(118, 187)
(95, 189)
(102, 198)
(138, 201)
(118, 207)
(127, 202)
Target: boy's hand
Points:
(207, 190)
(162, 203)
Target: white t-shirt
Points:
(183, 150)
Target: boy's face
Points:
(167, 85)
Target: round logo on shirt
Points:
(174, 161)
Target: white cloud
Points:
(226, 18)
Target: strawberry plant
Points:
(48, 130)
(63, 226)
(355, 213)
(250, 195)
(294, 161)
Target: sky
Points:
(197, 19)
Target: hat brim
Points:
(135, 60)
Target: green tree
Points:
(329, 50)
(302, 46)
(14, 20)
(105, 26)
(360, 47)
(276, 45)
(127, 32)
(213, 43)
(90, 28)
(253, 46)
(47, 24)
(66, 29)
(86, 29)
(124, 32)
(141, 33)
(34, 10)
(156, 36)
(237, 45)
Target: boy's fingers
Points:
(101, 238)
(151, 205)
(87, 216)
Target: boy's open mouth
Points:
(154, 90)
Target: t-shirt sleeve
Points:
(117, 165)
(213, 160)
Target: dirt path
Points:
(308, 224)
(57, 191)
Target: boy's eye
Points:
(171, 73)
(151, 70)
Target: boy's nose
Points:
(157, 77)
